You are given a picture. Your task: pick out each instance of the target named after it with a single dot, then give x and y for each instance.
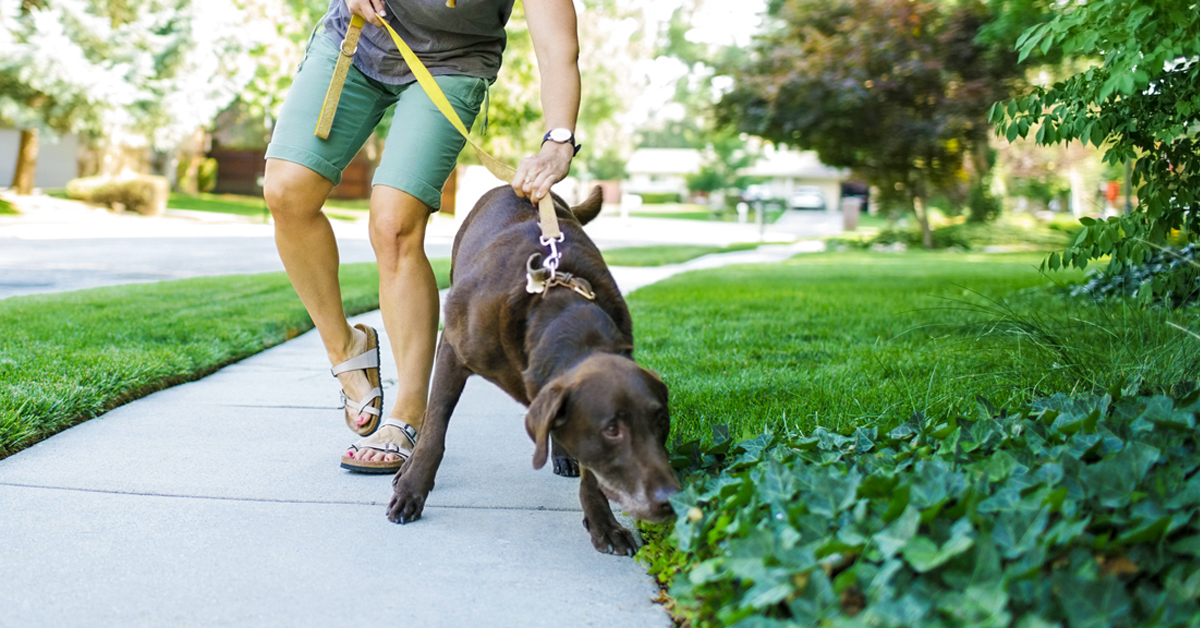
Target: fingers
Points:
(372, 10)
(537, 173)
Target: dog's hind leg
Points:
(415, 479)
(608, 536)
(564, 464)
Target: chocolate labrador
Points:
(565, 352)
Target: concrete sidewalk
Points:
(220, 502)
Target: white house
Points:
(57, 160)
(665, 170)
(660, 170)
(787, 170)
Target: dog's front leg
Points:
(608, 536)
(414, 480)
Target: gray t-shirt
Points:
(466, 40)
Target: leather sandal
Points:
(382, 466)
(372, 404)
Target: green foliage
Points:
(141, 69)
(1140, 102)
(144, 194)
(896, 90)
(1073, 511)
(6, 208)
(1024, 235)
(65, 358)
(981, 205)
(606, 166)
(1168, 276)
(657, 198)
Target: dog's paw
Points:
(611, 539)
(406, 504)
(566, 466)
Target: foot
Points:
(383, 436)
(355, 383)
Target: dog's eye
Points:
(613, 429)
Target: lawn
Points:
(255, 206)
(834, 339)
(885, 442)
(65, 358)
(663, 255)
(692, 211)
(6, 208)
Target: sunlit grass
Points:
(67, 357)
(832, 339)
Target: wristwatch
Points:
(562, 136)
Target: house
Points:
(785, 171)
(660, 170)
(57, 161)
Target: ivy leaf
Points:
(923, 554)
(896, 536)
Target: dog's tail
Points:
(590, 208)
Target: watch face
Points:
(560, 135)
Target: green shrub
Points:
(1176, 273)
(144, 194)
(1025, 234)
(981, 205)
(1074, 511)
(661, 197)
(207, 179)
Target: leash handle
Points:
(334, 93)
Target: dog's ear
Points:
(590, 208)
(544, 413)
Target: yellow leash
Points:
(546, 216)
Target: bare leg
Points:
(408, 300)
(295, 195)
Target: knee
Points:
(398, 236)
(291, 194)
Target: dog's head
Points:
(611, 415)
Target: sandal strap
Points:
(363, 405)
(386, 448)
(403, 427)
(366, 360)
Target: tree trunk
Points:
(923, 220)
(24, 177)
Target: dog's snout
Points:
(662, 501)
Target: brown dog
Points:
(568, 358)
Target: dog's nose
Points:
(662, 503)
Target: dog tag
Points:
(535, 281)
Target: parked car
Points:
(807, 197)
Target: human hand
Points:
(537, 173)
(372, 10)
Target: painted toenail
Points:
(350, 455)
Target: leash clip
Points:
(552, 260)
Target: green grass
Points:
(6, 208)
(663, 255)
(255, 206)
(692, 211)
(834, 339)
(65, 358)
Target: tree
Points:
(1139, 100)
(124, 73)
(896, 90)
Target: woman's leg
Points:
(408, 300)
(295, 195)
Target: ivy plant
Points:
(1139, 100)
(1077, 511)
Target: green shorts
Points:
(421, 148)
